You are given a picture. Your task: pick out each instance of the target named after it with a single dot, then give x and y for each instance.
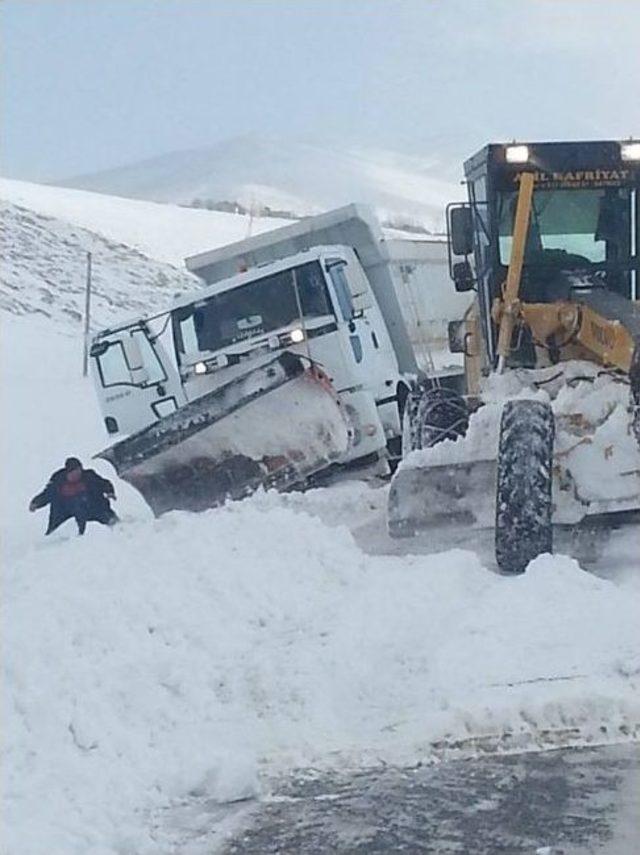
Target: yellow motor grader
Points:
(547, 428)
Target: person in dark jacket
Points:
(79, 493)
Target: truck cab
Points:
(317, 304)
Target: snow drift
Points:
(145, 660)
(197, 652)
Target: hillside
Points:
(44, 271)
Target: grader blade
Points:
(454, 494)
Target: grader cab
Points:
(547, 430)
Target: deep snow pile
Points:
(195, 651)
(145, 661)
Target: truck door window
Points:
(313, 291)
(341, 287)
(153, 366)
(113, 367)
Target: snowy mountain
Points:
(287, 176)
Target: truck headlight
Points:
(630, 151)
(200, 368)
(297, 335)
(517, 153)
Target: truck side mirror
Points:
(461, 230)
(463, 276)
(99, 348)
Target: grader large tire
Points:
(523, 496)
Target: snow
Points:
(594, 442)
(167, 233)
(201, 654)
(44, 272)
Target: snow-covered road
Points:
(570, 802)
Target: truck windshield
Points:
(253, 309)
(571, 228)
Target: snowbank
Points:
(175, 655)
(198, 652)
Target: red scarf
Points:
(72, 489)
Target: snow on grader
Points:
(548, 427)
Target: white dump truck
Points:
(298, 353)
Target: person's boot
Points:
(82, 524)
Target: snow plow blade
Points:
(456, 494)
(272, 427)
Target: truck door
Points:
(363, 357)
(135, 382)
(370, 344)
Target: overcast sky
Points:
(90, 84)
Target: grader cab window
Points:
(571, 228)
